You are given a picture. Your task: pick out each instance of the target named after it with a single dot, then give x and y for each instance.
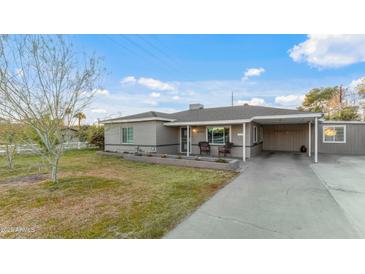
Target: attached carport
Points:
(290, 132)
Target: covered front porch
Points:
(252, 137)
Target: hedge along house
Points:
(251, 129)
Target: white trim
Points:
(288, 116)
(186, 141)
(244, 142)
(240, 121)
(334, 142)
(230, 133)
(220, 126)
(343, 122)
(127, 127)
(316, 140)
(136, 120)
(310, 139)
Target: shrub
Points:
(220, 160)
(95, 136)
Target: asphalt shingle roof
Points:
(231, 113)
(216, 114)
(148, 114)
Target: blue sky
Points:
(167, 72)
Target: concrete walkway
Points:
(277, 196)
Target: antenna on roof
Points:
(232, 98)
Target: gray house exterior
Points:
(251, 129)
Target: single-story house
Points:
(251, 129)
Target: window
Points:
(255, 134)
(334, 134)
(218, 135)
(127, 135)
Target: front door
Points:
(184, 139)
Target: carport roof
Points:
(222, 114)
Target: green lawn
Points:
(100, 197)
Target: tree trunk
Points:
(54, 168)
(10, 151)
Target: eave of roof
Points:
(114, 121)
(240, 121)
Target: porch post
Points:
(310, 139)
(244, 142)
(188, 141)
(316, 140)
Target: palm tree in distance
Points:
(68, 114)
(80, 116)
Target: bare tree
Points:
(42, 82)
(10, 136)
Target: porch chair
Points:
(204, 147)
(226, 149)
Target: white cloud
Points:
(155, 84)
(253, 102)
(289, 100)
(149, 83)
(330, 51)
(176, 97)
(252, 72)
(98, 110)
(155, 94)
(357, 82)
(102, 92)
(129, 80)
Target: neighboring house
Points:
(264, 128)
(71, 134)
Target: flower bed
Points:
(180, 160)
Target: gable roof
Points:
(239, 113)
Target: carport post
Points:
(309, 139)
(244, 142)
(316, 140)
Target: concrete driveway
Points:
(344, 177)
(277, 196)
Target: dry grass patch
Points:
(103, 197)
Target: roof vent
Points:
(195, 106)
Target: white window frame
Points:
(334, 126)
(127, 128)
(219, 144)
(255, 137)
